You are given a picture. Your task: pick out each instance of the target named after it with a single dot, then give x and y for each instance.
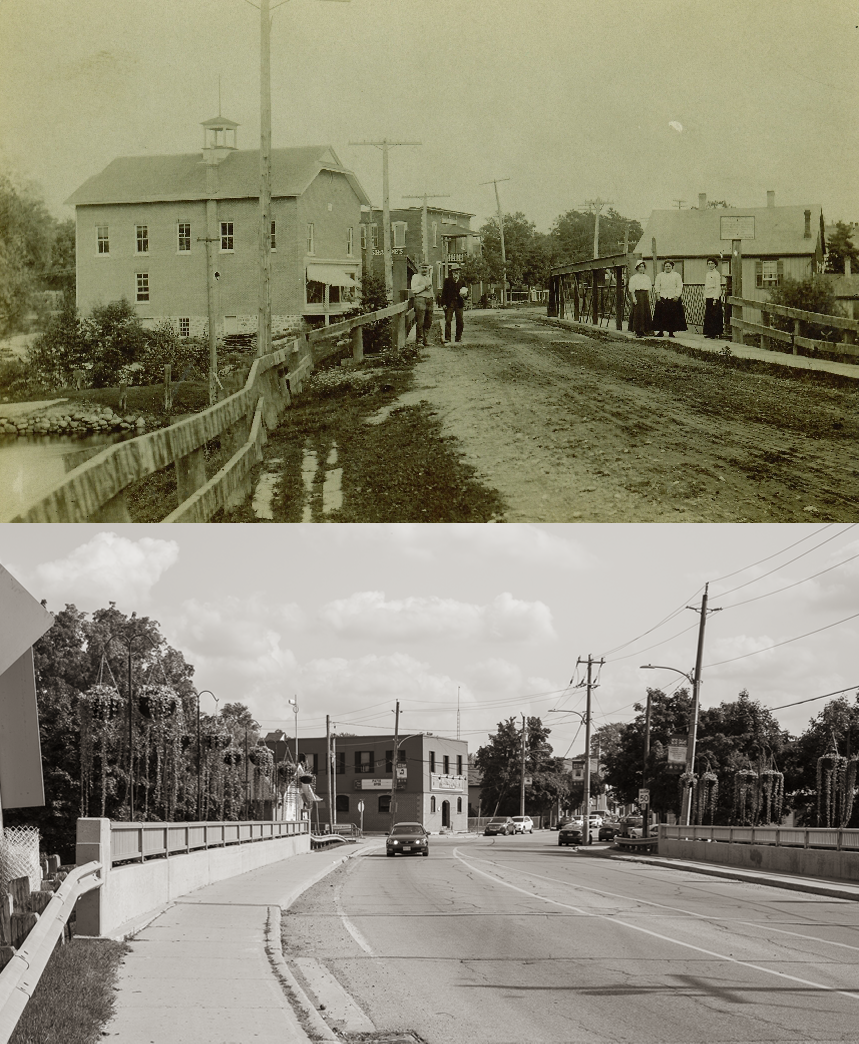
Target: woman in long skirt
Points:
(713, 320)
(668, 313)
(639, 288)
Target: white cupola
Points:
(219, 139)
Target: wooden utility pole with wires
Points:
(522, 777)
(686, 811)
(424, 227)
(385, 145)
(589, 684)
(494, 181)
(394, 766)
(330, 769)
(596, 205)
(264, 315)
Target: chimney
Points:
(702, 200)
(771, 197)
(807, 233)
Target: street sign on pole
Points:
(644, 796)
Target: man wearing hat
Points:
(453, 294)
(424, 299)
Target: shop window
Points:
(385, 804)
(342, 802)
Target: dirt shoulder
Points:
(571, 426)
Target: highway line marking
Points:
(657, 935)
(689, 913)
(352, 930)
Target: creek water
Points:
(31, 464)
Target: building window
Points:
(273, 236)
(350, 232)
(399, 229)
(401, 756)
(389, 761)
(768, 273)
(446, 764)
(435, 233)
(142, 286)
(184, 327)
(184, 236)
(432, 760)
(226, 235)
(142, 239)
(364, 762)
(311, 762)
(363, 237)
(385, 803)
(459, 764)
(459, 805)
(342, 802)
(102, 238)
(432, 805)
(374, 235)
(311, 242)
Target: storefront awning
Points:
(334, 275)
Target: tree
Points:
(26, 241)
(814, 294)
(839, 720)
(525, 250)
(572, 235)
(60, 273)
(718, 204)
(500, 763)
(840, 246)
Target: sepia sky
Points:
(641, 102)
(352, 618)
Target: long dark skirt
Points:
(714, 324)
(639, 317)
(668, 315)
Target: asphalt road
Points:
(515, 940)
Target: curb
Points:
(833, 891)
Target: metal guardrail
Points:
(21, 975)
(795, 837)
(141, 841)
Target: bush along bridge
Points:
(96, 491)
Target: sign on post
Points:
(644, 796)
(736, 227)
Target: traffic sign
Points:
(360, 806)
(644, 796)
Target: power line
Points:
(775, 554)
(811, 699)
(796, 583)
(787, 641)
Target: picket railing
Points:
(96, 490)
(796, 837)
(28, 960)
(141, 841)
(768, 332)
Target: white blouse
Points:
(639, 281)
(669, 284)
(713, 283)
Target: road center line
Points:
(657, 935)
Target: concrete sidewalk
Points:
(209, 969)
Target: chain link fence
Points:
(19, 857)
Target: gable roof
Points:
(161, 179)
(695, 233)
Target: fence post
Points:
(737, 288)
(190, 474)
(401, 331)
(168, 387)
(795, 335)
(113, 510)
(357, 335)
(619, 289)
(93, 844)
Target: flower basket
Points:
(772, 795)
(158, 702)
(102, 701)
(746, 796)
(232, 756)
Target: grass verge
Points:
(75, 997)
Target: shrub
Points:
(814, 294)
(115, 339)
(377, 336)
(188, 357)
(54, 355)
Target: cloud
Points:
(367, 614)
(109, 567)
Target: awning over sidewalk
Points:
(334, 275)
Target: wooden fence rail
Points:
(96, 490)
(768, 332)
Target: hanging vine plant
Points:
(831, 779)
(158, 702)
(161, 708)
(772, 795)
(849, 791)
(708, 795)
(99, 714)
(232, 756)
(745, 796)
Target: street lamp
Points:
(294, 705)
(695, 681)
(586, 820)
(200, 754)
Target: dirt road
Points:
(574, 426)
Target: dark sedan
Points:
(499, 825)
(609, 829)
(408, 839)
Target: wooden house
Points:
(143, 225)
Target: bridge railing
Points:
(796, 837)
(141, 841)
(745, 312)
(96, 490)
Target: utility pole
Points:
(679, 203)
(596, 206)
(522, 777)
(394, 766)
(494, 182)
(590, 684)
(384, 145)
(424, 227)
(208, 239)
(646, 808)
(330, 761)
(264, 316)
(686, 811)
(457, 712)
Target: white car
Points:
(523, 825)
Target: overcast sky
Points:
(641, 102)
(352, 618)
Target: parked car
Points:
(523, 825)
(608, 830)
(573, 833)
(633, 826)
(408, 839)
(499, 825)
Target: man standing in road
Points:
(424, 298)
(453, 295)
